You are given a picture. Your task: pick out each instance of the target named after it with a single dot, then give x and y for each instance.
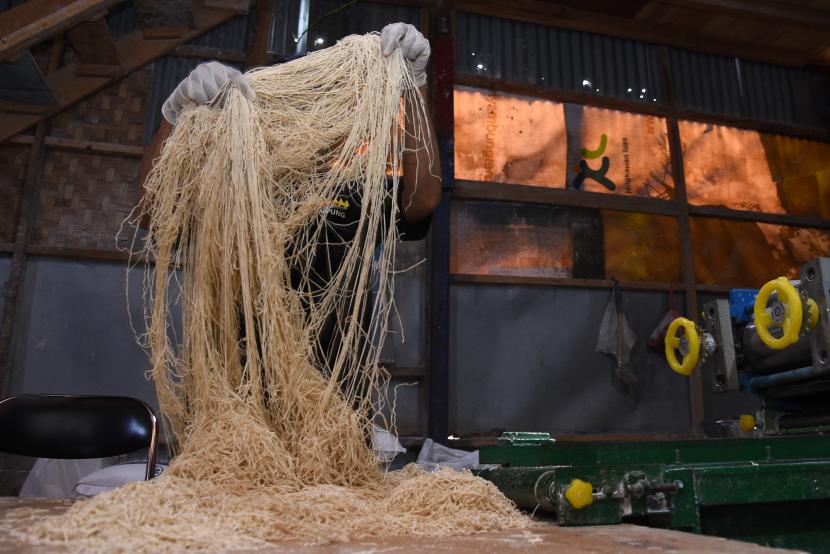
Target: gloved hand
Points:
(414, 47)
(202, 86)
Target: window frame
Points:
(678, 207)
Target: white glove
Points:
(414, 47)
(202, 86)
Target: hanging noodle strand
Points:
(272, 432)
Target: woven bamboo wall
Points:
(13, 160)
(116, 114)
(83, 199)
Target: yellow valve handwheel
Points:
(789, 321)
(813, 314)
(688, 345)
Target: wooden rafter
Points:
(134, 51)
(31, 22)
(93, 43)
(669, 34)
(768, 10)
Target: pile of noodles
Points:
(272, 439)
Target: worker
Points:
(421, 185)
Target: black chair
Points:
(72, 427)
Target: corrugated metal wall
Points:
(619, 68)
(330, 20)
(557, 58)
(359, 19)
(754, 90)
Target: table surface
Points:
(542, 537)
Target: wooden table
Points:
(543, 537)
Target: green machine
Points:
(770, 486)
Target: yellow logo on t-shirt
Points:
(343, 204)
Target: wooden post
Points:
(257, 52)
(441, 41)
(28, 208)
(683, 224)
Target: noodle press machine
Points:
(773, 342)
(769, 485)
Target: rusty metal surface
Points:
(727, 85)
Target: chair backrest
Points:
(65, 426)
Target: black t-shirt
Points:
(342, 219)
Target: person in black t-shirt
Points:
(421, 186)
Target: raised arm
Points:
(421, 165)
(199, 88)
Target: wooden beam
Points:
(257, 53)
(17, 107)
(84, 146)
(239, 6)
(413, 373)
(134, 51)
(774, 11)
(479, 190)
(560, 95)
(545, 13)
(468, 278)
(36, 20)
(98, 70)
(81, 254)
(208, 53)
(696, 405)
(660, 109)
(160, 33)
(774, 219)
(12, 301)
(11, 296)
(438, 330)
(93, 44)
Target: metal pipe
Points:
(765, 360)
(792, 376)
(528, 487)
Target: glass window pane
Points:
(641, 247)
(748, 254)
(497, 238)
(613, 151)
(748, 170)
(506, 138)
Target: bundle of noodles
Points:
(272, 435)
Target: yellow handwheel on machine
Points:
(788, 315)
(688, 344)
